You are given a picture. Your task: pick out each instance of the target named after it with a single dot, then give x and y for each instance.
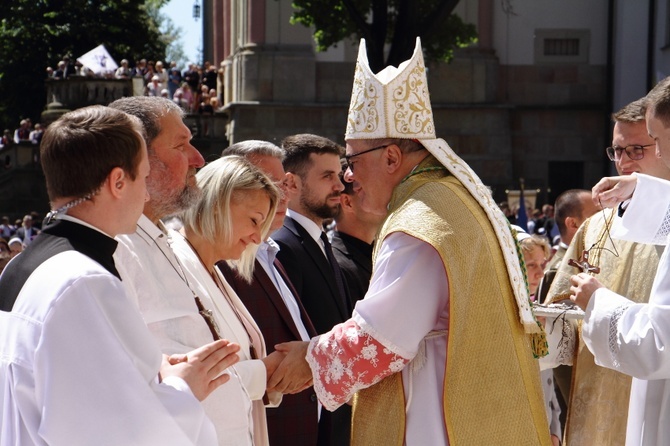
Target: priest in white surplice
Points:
(623, 335)
(629, 337)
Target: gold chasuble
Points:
(492, 393)
(598, 406)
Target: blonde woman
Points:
(228, 223)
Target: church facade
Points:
(531, 99)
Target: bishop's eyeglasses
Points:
(347, 158)
(634, 152)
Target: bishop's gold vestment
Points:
(491, 392)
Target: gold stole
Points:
(492, 392)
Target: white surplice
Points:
(156, 281)
(631, 338)
(79, 367)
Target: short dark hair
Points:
(658, 101)
(631, 113)
(298, 148)
(80, 149)
(568, 204)
(149, 110)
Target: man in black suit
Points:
(353, 241)
(312, 164)
(276, 306)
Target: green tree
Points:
(169, 34)
(35, 34)
(397, 22)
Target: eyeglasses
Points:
(634, 152)
(347, 158)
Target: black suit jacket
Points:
(355, 259)
(295, 420)
(312, 276)
(314, 280)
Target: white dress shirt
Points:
(266, 254)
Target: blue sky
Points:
(181, 14)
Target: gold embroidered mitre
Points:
(392, 104)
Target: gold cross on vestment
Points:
(583, 264)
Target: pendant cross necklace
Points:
(583, 264)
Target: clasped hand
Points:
(288, 371)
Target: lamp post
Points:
(196, 10)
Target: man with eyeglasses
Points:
(622, 334)
(599, 396)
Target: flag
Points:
(98, 60)
(522, 215)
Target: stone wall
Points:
(76, 92)
(274, 121)
(507, 122)
(547, 85)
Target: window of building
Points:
(562, 46)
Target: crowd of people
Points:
(313, 294)
(538, 221)
(17, 236)
(26, 132)
(193, 88)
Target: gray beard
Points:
(163, 201)
(166, 206)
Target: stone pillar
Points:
(54, 110)
(485, 24)
(227, 94)
(284, 73)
